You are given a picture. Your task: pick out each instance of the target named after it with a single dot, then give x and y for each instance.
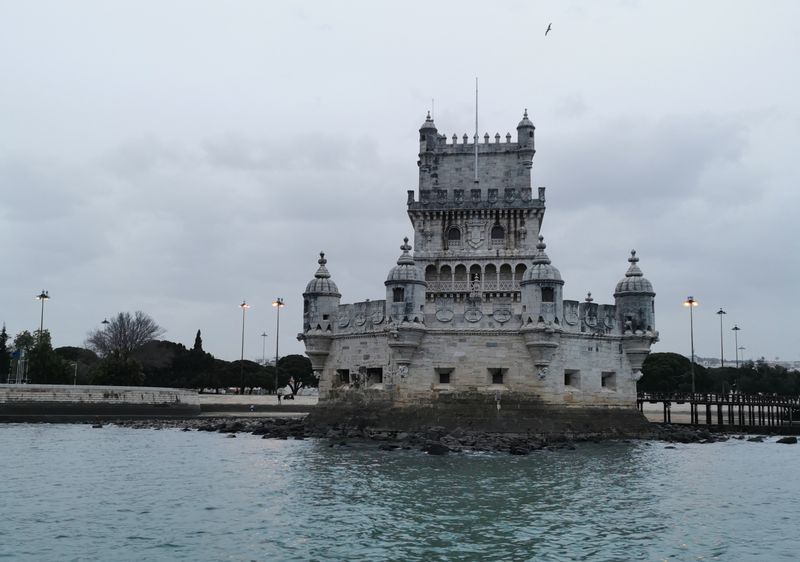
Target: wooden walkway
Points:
(731, 409)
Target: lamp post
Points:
(691, 303)
(244, 306)
(736, 329)
(43, 296)
(742, 348)
(721, 313)
(277, 303)
(264, 348)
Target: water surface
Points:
(70, 492)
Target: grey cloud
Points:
(626, 162)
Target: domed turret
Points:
(405, 288)
(428, 135)
(322, 284)
(634, 281)
(406, 269)
(541, 288)
(525, 131)
(634, 299)
(320, 299)
(542, 269)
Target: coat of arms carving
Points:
(476, 233)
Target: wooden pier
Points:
(732, 409)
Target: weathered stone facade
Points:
(476, 319)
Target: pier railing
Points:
(731, 409)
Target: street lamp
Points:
(264, 348)
(742, 348)
(43, 296)
(721, 313)
(277, 303)
(691, 303)
(736, 329)
(244, 306)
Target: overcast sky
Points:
(178, 157)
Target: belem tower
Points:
(475, 331)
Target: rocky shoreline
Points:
(432, 440)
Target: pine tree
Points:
(198, 342)
(5, 356)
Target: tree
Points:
(124, 333)
(5, 355)
(82, 363)
(295, 371)
(44, 365)
(672, 372)
(198, 342)
(119, 369)
(24, 341)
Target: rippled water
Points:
(70, 492)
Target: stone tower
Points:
(476, 317)
(475, 233)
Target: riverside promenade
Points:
(254, 405)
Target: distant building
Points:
(474, 330)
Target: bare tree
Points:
(124, 333)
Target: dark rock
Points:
(387, 447)
(519, 450)
(756, 439)
(670, 447)
(436, 449)
(791, 440)
(231, 435)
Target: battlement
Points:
(485, 143)
(510, 197)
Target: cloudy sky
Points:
(178, 157)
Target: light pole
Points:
(721, 313)
(43, 296)
(742, 348)
(736, 329)
(691, 303)
(277, 303)
(244, 306)
(264, 348)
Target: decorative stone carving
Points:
(473, 315)
(476, 233)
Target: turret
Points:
(428, 135)
(405, 289)
(541, 288)
(320, 300)
(635, 305)
(635, 300)
(525, 131)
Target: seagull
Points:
(549, 27)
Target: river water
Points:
(70, 492)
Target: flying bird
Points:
(549, 27)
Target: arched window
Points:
(548, 294)
(454, 236)
(398, 294)
(498, 234)
(431, 274)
